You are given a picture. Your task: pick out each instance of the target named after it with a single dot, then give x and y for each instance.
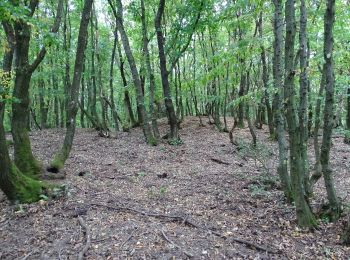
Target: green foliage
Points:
(175, 141)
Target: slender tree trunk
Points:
(249, 121)
(278, 105)
(305, 216)
(303, 97)
(150, 74)
(265, 77)
(318, 170)
(240, 95)
(127, 101)
(174, 132)
(347, 134)
(142, 113)
(93, 101)
(111, 88)
(329, 110)
(82, 97)
(62, 155)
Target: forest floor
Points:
(205, 199)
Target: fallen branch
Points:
(186, 221)
(219, 161)
(175, 245)
(88, 238)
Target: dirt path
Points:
(205, 198)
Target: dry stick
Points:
(126, 240)
(219, 161)
(88, 238)
(187, 222)
(175, 245)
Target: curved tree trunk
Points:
(24, 158)
(62, 155)
(15, 185)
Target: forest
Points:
(183, 129)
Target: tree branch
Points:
(184, 48)
(54, 29)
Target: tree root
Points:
(87, 238)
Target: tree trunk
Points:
(318, 170)
(24, 158)
(347, 133)
(111, 88)
(141, 109)
(329, 110)
(127, 102)
(62, 155)
(305, 216)
(303, 97)
(150, 74)
(15, 185)
(174, 132)
(249, 121)
(278, 106)
(265, 77)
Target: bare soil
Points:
(205, 199)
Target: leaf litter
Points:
(203, 199)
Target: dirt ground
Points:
(203, 199)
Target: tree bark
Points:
(150, 74)
(111, 88)
(141, 109)
(329, 110)
(303, 97)
(265, 77)
(278, 105)
(305, 216)
(15, 185)
(174, 131)
(62, 155)
(24, 158)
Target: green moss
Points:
(152, 141)
(347, 137)
(27, 190)
(58, 162)
(27, 164)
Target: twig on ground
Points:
(126, 240)
(27, 255)
(187, 222)
(175, 245)
(88, 238)
(219, 161)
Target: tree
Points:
(15, 185)
(305, 216)
(278, 114)
(174, 131)
(24, 158)
(150, 73)
(329, 110)
(141, 109)
(63, 153)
